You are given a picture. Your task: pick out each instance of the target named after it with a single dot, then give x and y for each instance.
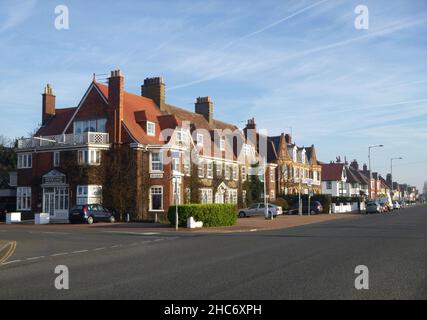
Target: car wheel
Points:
(242, 214)
(112, 219)
(312, 212)
(90, 220)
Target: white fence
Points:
(347, 207)
(64, 139)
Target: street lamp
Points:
(391, 170)
(370, 171)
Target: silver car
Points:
(258, 209)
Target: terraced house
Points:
(135, 153)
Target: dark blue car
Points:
(90, 213)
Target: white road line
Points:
(59, 254)
(133, 233)
(54, 232)
(98, 249)
(116, 246)
(10, 262)
(35, 258)
(79, 251)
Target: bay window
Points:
(156, 161)
(89, 157)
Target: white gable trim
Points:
(92, 85)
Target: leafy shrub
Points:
(212, 215)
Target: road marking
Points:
(134, 233)
(59, 254)
(116, 246)
(98, 249)
(10, 262)
(158, 240)
(35, 258)
(55, 232)
(79, 251)
(11, 250)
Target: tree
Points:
(7, 155)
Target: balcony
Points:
(64, 140)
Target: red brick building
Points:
(139, 146)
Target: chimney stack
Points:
(250, 125)
(115, 100)
(204, 106)
(48, 104)
(354, 165)
(154, 89)
(288, 138)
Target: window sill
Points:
(156, 210)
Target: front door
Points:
(55, 202)
(49, 201)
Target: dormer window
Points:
(151, 128)
(179, 136)
(303, 156)
(295, 155)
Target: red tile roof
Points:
(332, 171)
(57, 123)
(137, 109)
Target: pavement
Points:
(310, 261)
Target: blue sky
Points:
(299, 64)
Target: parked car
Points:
(258, 209)
(374, 207)
(386, 206)
(396, 205)
(315, 208)
(90, 213)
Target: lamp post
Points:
(391, 170)
(370, 171)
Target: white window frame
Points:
(56, 158)
(199, 140)
(243, 173)
(175, 160)
(201, 169)
(272, 175)
(179, 136)
(151, 128)
(158, 163)
(206, 196)
(328, 185)
(231, 196)
(25, 161)
(23, 198)
(222, 144)
(234, 172)
(89, 194)
(187, 166)
(157, 188)
(209, 169)
(83, 126)
(219, 169)
(91, 157)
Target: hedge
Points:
(212, 215)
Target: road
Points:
(314, 261)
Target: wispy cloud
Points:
(16, 12)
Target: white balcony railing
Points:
(97, 138)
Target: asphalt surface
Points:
(314, 261)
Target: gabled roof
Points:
(332, 171)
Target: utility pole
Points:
(370, 171)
